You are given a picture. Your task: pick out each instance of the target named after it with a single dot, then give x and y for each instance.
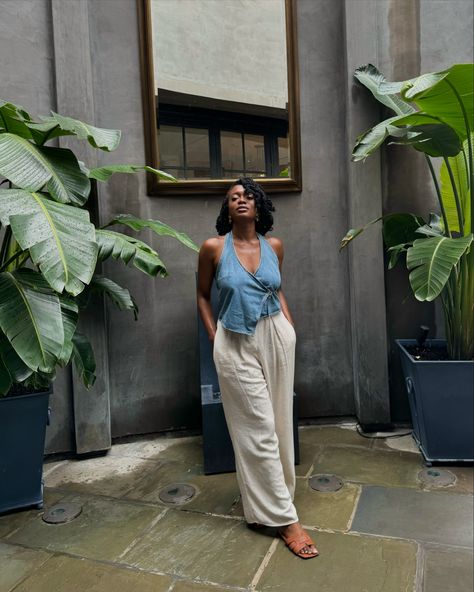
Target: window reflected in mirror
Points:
(221, 91)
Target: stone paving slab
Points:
(424, 516)
(330, 435)
(396, 469)
(308, 453)
(70, 574)
(331, 510)
(102, 531)
(325, 509)
(185, 586)
(187, 449)
(13, 520)
(106, 475)
(195, 546)
(346, 564)
(16, 563)
(448, 570)
(205, 499)
(400, 443)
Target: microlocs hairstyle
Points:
(263, 205)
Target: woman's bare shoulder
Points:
(276, 244)
(212, 247)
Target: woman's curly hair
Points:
(263, 205)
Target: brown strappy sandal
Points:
(297, 543)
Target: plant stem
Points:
(438, 193)
(469, 145)
(456, 196)
(5, 244)
(12, 258)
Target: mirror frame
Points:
(216, 186)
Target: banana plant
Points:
(434, 114)
(50, 248)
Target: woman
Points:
(254, 344)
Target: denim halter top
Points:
(246, 297)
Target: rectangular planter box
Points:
(441, 396)
(23, 421)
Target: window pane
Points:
(283, 157)
(254, 154)
(170, 141)
(197, 153)
(232, 155)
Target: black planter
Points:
(23, 421)
(441, 395)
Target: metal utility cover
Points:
(437, 477)
(62, 513)
(325, 482)
(177, 493)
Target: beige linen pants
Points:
(256, 374)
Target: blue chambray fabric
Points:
(243, 297)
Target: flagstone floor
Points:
(385, 530)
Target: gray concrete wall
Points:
(154, 363)
(153, 380)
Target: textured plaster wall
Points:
(154, 381)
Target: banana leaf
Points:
(155, 225)
(431, 261)
(60, 238)
(33, 167)
(127, 248)
(31, 319)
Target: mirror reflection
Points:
(221, 89)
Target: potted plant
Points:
(434, 114)
(49, 253)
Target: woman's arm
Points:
(277, 246)
(206, 270)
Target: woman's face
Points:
(241, 204)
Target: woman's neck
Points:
(244, 232)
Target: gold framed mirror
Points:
(220, 94)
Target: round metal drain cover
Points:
(177, 493)
(325, 482)
(61, 513)
(437, 477)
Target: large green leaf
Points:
(121, 297)
(58, 125)
(70, 314)
(60, 238)
(31, 318)
(400, 228)
(447, 95)
(127, 248)
(105, 172)
(32, 167)
(12, 367)
(83, 359)
(458, 166)
(434, 139)
(368, 142)
(424, 132)
(155, 225)
(376, 82)
(431, 261)
(13, 120)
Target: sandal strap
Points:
(297, 543)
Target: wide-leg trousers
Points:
(256, 375)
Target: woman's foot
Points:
(298, 540)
